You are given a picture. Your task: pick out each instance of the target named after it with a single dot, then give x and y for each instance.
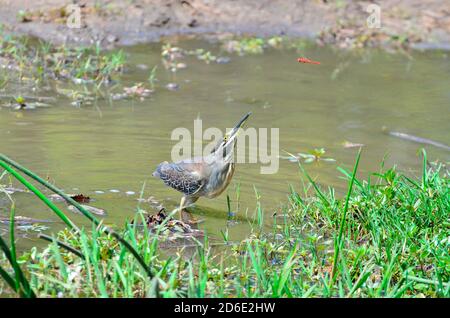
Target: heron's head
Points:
(226, 146)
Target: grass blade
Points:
(20, 283)
(342, 224)
(61, 244)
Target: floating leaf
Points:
(80, 198)
(349, 144)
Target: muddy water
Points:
(116, 145)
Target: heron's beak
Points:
(231, 135)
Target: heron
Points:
(206, 176)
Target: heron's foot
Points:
(195, 221)
(188, 218)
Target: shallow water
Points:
(117, 145)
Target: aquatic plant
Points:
(170, 56)
(245, 46)
(45, 61)
(137, 91)
(207, 56)
(252, 45)
(313, 155)
(152, 77)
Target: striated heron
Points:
(206, 176)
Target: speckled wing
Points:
(181, 176)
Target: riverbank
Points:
(405, 24)
(387, 238)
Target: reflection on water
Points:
(117, 145)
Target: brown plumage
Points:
(202, 177)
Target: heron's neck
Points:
(220, 177)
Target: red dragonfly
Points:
(306, 61)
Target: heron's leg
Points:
(189, 202)
(182, 202)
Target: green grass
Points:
(38, 62)
(388, 237)
(7, 164)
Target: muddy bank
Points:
(405, 23)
